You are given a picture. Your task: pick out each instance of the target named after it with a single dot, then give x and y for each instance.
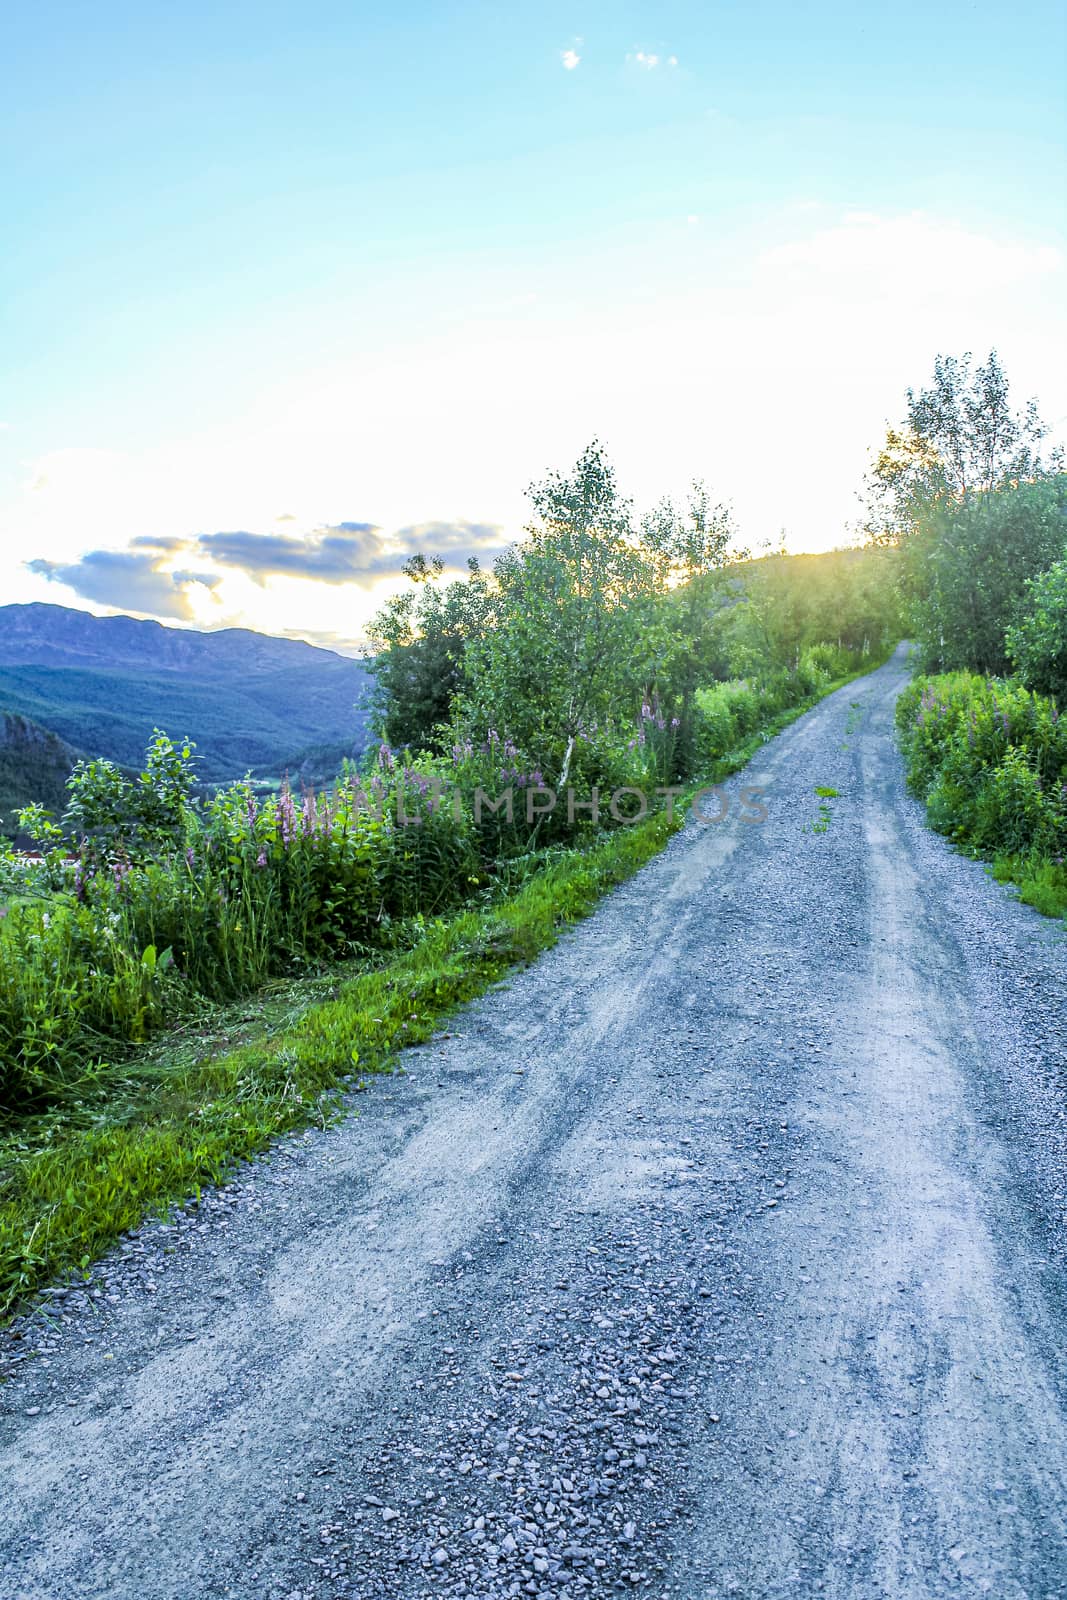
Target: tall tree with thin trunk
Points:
(569, 651)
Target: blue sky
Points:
(289, 270)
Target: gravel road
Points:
(719, 1253)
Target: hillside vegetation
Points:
(990, 759)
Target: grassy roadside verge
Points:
(132, 1139)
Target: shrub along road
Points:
(717, 1253)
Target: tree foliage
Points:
(966, 567)
(570, 649)
(421, 638)
(786, 603)
(960, 437)
(118, 812)
(1037, 643)
(691, 556)
(593, 634)
(962, 490)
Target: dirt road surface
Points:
(720, 1253)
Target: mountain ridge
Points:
(37, 629)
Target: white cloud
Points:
(570, 59)
(909, 254)
(649, 61)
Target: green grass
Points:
(822, 821)
(1041, 884)
(133, 1137)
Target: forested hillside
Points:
(34, 765)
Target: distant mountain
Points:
(248, 700)
(57, 636)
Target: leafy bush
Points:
(828, 661)
(989, 757)
(166, 902)
(726, 714)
